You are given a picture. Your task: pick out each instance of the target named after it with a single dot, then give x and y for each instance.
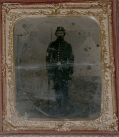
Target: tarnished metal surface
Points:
(34, 99)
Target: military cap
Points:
(60, 29)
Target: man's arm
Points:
(48, 57)
(70, 59)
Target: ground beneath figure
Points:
(84, 101)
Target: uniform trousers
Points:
(61, 88)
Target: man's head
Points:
(60, 32)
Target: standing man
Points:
(59, 65)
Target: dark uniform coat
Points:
(59, 64)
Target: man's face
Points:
(60, 34)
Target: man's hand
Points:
(58, 63)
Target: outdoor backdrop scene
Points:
(35, 93)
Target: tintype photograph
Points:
(58, 68)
